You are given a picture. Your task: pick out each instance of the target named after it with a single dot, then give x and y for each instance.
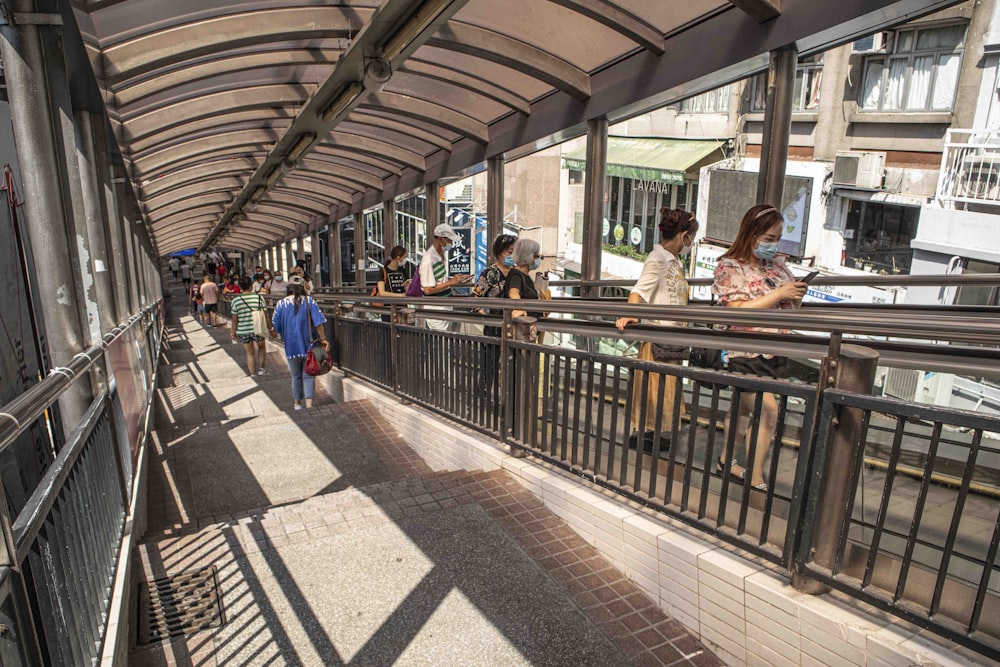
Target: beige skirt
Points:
(668, 386)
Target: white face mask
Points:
(278, 278)
(686, 249)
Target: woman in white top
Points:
(661, 282)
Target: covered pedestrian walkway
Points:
(330, 541)
(454, 497)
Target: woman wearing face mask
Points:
(751, 275)
(394, 279)
(519, 285)
(661, 282)
(279, 287)
(491, 286)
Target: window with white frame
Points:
(714, 101)
(919, 73)
(805, 92)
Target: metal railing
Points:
(60, 554)
(604, 417)
(970, 167)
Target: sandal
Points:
(720, 468)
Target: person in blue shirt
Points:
(291, 320)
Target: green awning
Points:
(648, 159)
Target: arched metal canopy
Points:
(245, 123)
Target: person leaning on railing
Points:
(662, 282)
(752, 275)
(491, 286)
(519, 285)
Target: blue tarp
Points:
(183, 253)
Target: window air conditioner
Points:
(855, 169)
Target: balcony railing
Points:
(970, 168)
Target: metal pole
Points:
(91, 169)
(116, 231)
(360, 250)
(315, 265)
(48, 226)
(854, 372)
(389, 234)
(593, 203)
(336, 260)
(777, 125)
(289, 257)
(432, 210)
(494, 198)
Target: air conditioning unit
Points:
(857, 169)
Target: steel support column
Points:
(777, 125)
(93, 170)
(336, 261)
(390, 237)
(432, 210)
(315, 263)
(289, 257)
(593, 203)
(494, 200)
(360, 250)
(48, 224)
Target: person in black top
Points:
(519, 284)
(395, 278)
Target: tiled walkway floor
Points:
(335, 544)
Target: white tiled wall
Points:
(744, 609)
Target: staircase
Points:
(320, 538)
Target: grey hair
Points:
(524, 251)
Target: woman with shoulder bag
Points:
(751, 275)
(662, 282)
(243, 308)
(292, 319)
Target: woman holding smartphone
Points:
(752, 275)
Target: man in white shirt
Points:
(434, 278)
(175, 267)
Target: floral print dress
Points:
(740, 281)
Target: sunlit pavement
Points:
(335, 544)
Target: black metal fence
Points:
(59, 555)
(686, 451)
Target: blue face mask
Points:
(766, 250)
(508, 261)
(535, 263)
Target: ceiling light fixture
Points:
(339, 105)
(257, 194)
(273, 177)
(422, 20)
(301, 146)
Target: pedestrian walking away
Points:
(186, 274)
(175, 267)
(210, 297)
(243, 307)
(291, 320)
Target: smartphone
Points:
(808, 278)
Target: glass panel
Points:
(920, 82)
(864, 44)
(871, 89)
(948, 37)
(945, 82)
(812, 88)
(895, 84)
(681, 201)
(626, 197)
(904, 42)
(694, 198)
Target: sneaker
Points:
(260, 371)
(298, 406)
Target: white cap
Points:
(446, 231)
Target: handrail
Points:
(870, 280)
(975, 330)
(22, 412)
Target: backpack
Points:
(415, 288)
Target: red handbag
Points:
(318, 361)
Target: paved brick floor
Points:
(399, 493)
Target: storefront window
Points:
(877, 237)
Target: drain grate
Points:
(179, 605)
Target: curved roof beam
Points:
(468, 82)
(621, 21)
(184, 238)
(395, 30)
(429, 112)
(341, 155)
(375, 147)
(189, 190)
(293, 213)
(287, 199)
(214, 105)
(217, 66)
(759, 10)
(198, 172)
(355, 179)
(184, 216)
(206, 199)
(489, 45)
(393, 125)
(246, 241)
(177, 227)
(160, 49)
(323, 194)
(206, 127)
(234, 142)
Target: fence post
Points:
(854, 372)
(520, 397)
